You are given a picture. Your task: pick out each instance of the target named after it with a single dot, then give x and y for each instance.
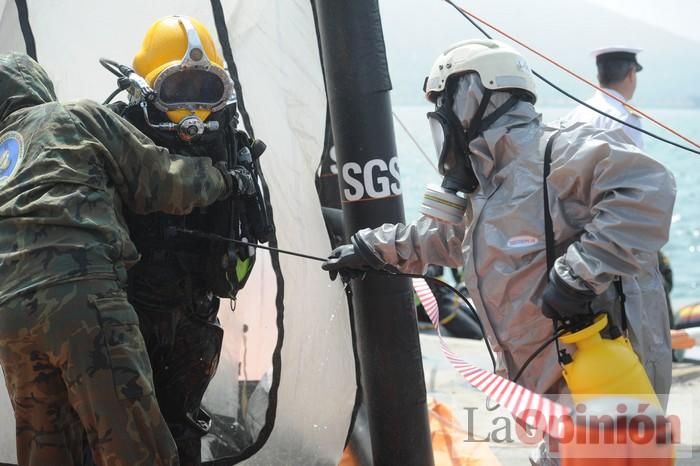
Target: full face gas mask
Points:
(187, 80)
(447, 202)
(460, 116)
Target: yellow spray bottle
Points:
(605, 366)
(604, 375)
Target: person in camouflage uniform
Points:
(73, 358)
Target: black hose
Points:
(213, 236)
(112, 95)
(536, 353)
(436, 281)
(122, 80)
(439, 282)
(112, 66)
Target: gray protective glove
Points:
(565, 303)
(238, 180)
(346, 260)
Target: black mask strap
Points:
(476, 122)
(500, 111)
(479, 125)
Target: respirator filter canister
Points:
(443, 205)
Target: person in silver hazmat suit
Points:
(608, 204)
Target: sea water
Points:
(683, 247)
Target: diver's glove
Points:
(563, 302)
(352, 260)
(238, 181)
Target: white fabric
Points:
(275, 47)
(612, 107)
(9, 28)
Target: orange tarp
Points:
(449, 446)
(681, 340)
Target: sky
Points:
(416, 31)
(676, 16)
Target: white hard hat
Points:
(499, 66)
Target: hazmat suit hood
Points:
(23, 83)
(493, 150)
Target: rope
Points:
(469, 15)
(428, 159)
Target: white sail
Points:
(276, 52)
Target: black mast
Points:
(357, 86)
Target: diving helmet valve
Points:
(191, 127)
(443, 204)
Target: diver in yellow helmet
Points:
(182, 98)
(180, 63)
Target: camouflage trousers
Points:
(75, 364)
(184, 341)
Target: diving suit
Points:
(186, 103)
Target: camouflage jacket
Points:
(66, 172)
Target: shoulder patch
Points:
(11, 153)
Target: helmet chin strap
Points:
(187, 129)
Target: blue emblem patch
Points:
(11, 152)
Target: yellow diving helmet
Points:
(178, 59)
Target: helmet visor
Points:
(447, 136)
(188, 87)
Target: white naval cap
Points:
(617, 49)
(617, 53)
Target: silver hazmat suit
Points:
(611, 209)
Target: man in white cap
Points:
(617, 75)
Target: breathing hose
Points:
(172, 231)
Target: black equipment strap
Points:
(623, 311)
(222, 32)
(476, 123)
(499, 112)
(25, 26)
(548, 228)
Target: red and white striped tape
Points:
(522, 403)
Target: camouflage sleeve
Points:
(147, 177)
